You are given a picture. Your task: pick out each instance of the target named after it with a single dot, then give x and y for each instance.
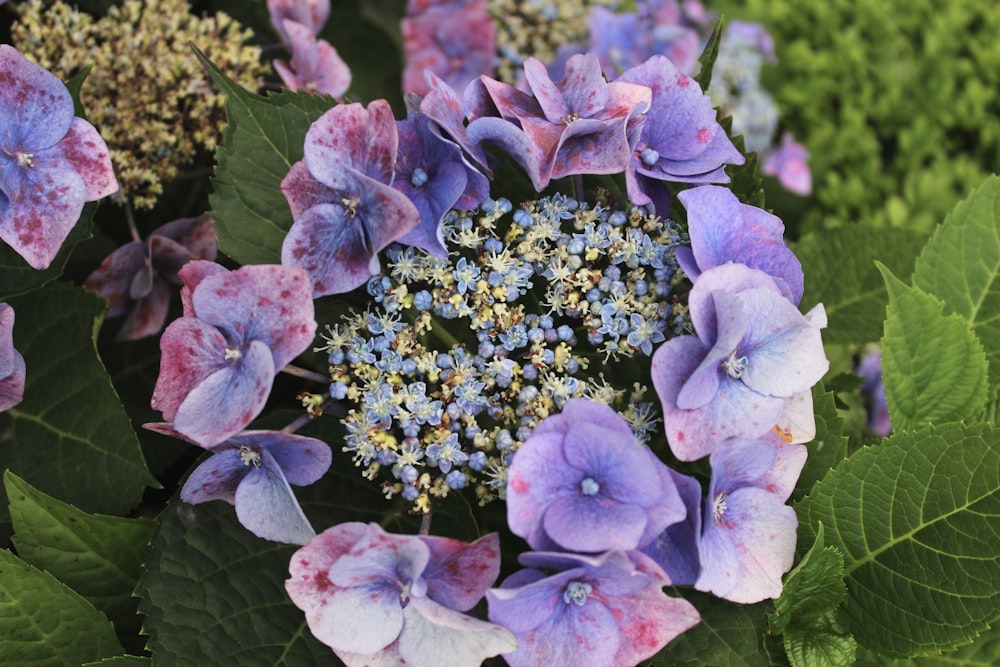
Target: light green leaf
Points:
(935, 370)
(100, 557)
(917, 519)
(813, 588)
(829, 447)
(961, 265)
(263, 138)
(70, 436)
(840, 272)
(984, 652)
(42, 622)
(214, 595)
(821, 642)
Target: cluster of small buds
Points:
(544, 293)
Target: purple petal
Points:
(302, 460)
(223, 403)
(311, 13)
(196, 236)
(267, 507)
(458, 574)
(348, 135)
(381, 558)
(584, 410)
(528, 493)
(86, 151)
(113, 277)
(216, 478)
(12, 367)
(191, 350)
(513, 141)
(590, 524)
(37, 107)
(192, 274)
(676, 548)
(303, 191)
(730, 324)
(549, 96)
(148, 314)
(442, 105)
(453, 639)
(648, 620)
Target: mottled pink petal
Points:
(175, 243)
(148, 314)
(458, 573)
(349, 135)
(192, 274)
(12, 367)
(191, 350)
(84, 148)
(37, 107)
(215, 479)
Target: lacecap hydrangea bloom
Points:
(51, 162)
(12, 368)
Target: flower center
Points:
(351, 204)
(25, 159)
(570, 117)
(719, 508)
(233, 354)
(734, 366)
(589, 486)
(577, 592)
(418, 178)
(649, 157)
(249, 457)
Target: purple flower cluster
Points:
(315, 65)
(381, 599)
(454, 39)
(11, 362)
(51, 162)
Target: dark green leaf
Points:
(70, 436)
(984, 652)
(100, 557)
(706, 61)
(917, 519)
(42, 622)
(935, 370)
(121, 661)
(819, 642)
(813, 588)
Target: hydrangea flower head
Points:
(51, 162)
(12, 368)
(456, 40)
(722, 229)
(252, 471)
(315, 65)
(136, 278)
(681, 140)
(789, 163)
(381, 599)
(239, 329)
(601, 610)
(754, 353)
(583, 482)
(344, 207)
(309, 13)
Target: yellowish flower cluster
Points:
(146, 93)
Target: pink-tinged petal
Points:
(267, 303)
(511, 103)
(550, 97)
(195, 235)
(302, 460)
(380, 558)
(148, 314)
(513, 141)
(287, 75)
(215, 479)
(784, 473)
(797, 423)
(528, 494)
(458, 574)
(267, 507)
(309, 586)
(192, 274)
(84, 148)
(745, 554)
(442, 105)
(303, 191)
(42, 206)
(331, 248)
(591, 147)
(223, 403)
(191, 350)
(728, 278)
(37, 107)
(435, 636)
(114, 276)
(583, 87)
(349, 135)
(12, 385)
(311, 13)
(649, 620)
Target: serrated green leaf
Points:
(209, 585)
(706, 61)
(983, 652)
(69, 437)
(16, 277)
(820, 643)
(961, 265)
(100, 557)
(917, 519)
(935, 370)
(728, 635)
(812, 589)
(264, 137)
(840, 273)
(42, 622)
(829, 447)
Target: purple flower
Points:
(789, 163)
(315, 65)
(50, 161)
(601, 610)
(252, 471)
(309, 13)
(11, 362)
(136, 278)
(575, 126)
(583, 482)
(381, 599)
(239, 329)
(681, 140)
(454, 40)
(753, 353)
(873, 393)
(432, 172)
(724, 230)
(676, 548)
(344, 207)
(748, 540)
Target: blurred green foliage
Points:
(898, 102)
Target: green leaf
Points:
(829, 447)
(729, 635)
(42, 622)
(840, 272)
(984, 652)
(917, 519)
(16, 277)
(264, 137)
(706, 61)
(961, 265)
(214, 594)
(69, 437)
(100, 557)
(935, 370)
(814, 587)
(74, 85)
(821, 642)
(121, 661)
